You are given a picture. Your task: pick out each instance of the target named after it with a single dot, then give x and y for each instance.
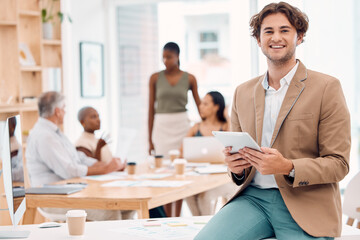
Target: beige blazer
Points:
(312, 130)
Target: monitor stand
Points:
(15, 234)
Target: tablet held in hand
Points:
(236, 140)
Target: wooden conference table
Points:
(141, 199)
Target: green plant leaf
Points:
(61, 16)
(43, 15)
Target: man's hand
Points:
(115, 165)
(103, 168)
(101, 143)
(269, 161)
(235, 162)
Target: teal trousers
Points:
(255, 214)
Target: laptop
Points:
(203, 149)
(56, 189)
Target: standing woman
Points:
(168, 120)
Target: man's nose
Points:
(276, 37)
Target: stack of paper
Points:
(213, 168)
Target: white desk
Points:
(114, 230)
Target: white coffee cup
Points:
(179, 165)
(174, 153)
(75, 220)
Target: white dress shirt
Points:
(273, 102)
(51, 157)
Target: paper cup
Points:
(131, 168)
(174, 154)
(158, 161)
(179, 165)
(75, 220)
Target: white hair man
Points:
(51, 157)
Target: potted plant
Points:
(47, 17)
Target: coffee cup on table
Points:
(174, 153)
(75, 220)
(158, 161)
(179, 165)
(131, 168)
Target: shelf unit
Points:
(20, 23)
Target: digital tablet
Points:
(236, 140)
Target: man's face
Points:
(91, 120)
(60, 113)
(278, 38)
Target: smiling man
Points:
(299, 117)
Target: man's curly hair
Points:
(295, 16)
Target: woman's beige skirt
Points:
(169, 131)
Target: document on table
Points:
(146, 183)
(107, 177)
(213, 168)
(186, 229)
(195, 164)
(153, 176)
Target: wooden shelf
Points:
(29, 13)
(6, 108)
(25, 107)
(56, 42)
(31, 68)
(8, 23)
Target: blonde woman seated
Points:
(213, 119)
(88, 143)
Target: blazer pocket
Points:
(300, 116)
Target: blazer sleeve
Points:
(235, 122)
(235, 126)
(334, 141)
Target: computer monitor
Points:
(13, 175)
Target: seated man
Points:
(51, 157)
(98, 148)
(88, 143)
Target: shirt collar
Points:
(288, 77)
(52, 126)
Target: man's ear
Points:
(300, 39)
(258, 41)
(57, 111)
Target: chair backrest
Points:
(352, 198)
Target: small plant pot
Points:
(47, 30)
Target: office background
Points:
(215, 46)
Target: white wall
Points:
(88, 24)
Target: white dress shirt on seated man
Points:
(51, 157)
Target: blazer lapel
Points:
(259, 103)
(292, 95)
